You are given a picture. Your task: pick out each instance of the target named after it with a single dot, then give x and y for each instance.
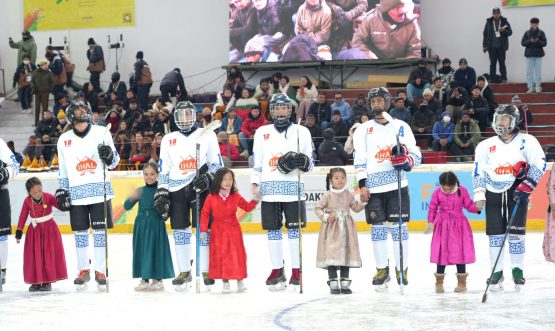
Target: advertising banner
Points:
(527, 3)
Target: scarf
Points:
(337, 190)
(454, 191)
(224, 194)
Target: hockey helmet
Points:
(379, 92)
(78, 112)
(280, 109)
(185, 116)
(505, 119)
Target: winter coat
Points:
(435, 107)
(489, 33)
(534, 49)
(42, 81)
(402, 114)
(441, 95)
(479, 105)
(487, 93)
(549, 233)
(96, 59)
(142, 74)
(338, 240)
(251, 124)
(344, 108)
(465, 78)
(425, 74)
(441, 131)
(322, 112)
(120, 88)
(467, 133)
(423, 119)
(223, 103)
(378, 40)
(228, 259)
(332, 153)
(58, 70)
(234, 128)
(314, 23)
(351, 8)
(173, 79)
(268, 19)
(307, 94)
(452, 241)
(447, 76)
(260, 94)
(341, 130)
(359, 111)
(28, 47)
(47, 127)
(243, 26)
(229, 150)
(23, 74)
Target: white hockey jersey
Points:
(493, 166)
(80, 170)
(9, 159)
(269, 146)
(373, 143)
(178, 158)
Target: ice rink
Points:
(419, 309)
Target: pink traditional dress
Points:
(43, 255)
(549, 235)
(452, 241)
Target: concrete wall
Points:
(193, 35)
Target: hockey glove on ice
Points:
(106, 154)
(202, 182)
(524, 189)
(303, 162)
(288, 162)
(400, 160)
(162, 202)
(63, 199)
(4, 173)
(520, 169)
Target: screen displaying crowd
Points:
(323, 30)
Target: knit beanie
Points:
(139, 55)
(90, 41)
(516, 99)
(387, 5)
(61, 114)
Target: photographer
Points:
(534, 41)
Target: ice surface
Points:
(419, 309)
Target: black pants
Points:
(6, 219)
(436, 146)
(497, 54)
(58, 89)
(332, 272)
(459, 151)
(461, 269)
(167, 92)
(83, 217)
(25, 97)
(142, 95)
(95, 81)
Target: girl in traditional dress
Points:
(44, 261)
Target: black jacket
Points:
(332, 153)
(489, 33)
(321, 112)
(243, 27)
(268, 19)
(341, 130)
(173, 80)
(46, 127)
(425, 74)
(534, 49)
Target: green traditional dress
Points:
(151, 248)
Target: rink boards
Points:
(422, 182)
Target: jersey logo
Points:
(402, 131)
(492, 149)
(188, 165)
(274, 161)
(504, 169)
(371, 130)
(383, 154)
(67, 143)
(522, 143)
(85, 165)
(266, 136)
(173, 142)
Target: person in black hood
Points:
(95, 55)
(315, 130)
(341, 129)
(496, 42)
(330, 152)
(116, 86)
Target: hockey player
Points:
(9, 168)
(507, 168)
(81, 153)
(278, 153)
(378, 161)
(177, 185)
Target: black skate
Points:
(518, 278)
(496, 281)
(405, 277)
(381, 278)
(100, 279)
(182, 281)
(334, 286)
(208, 282)
(82, 279)
(3, 276)
(345, 286)
(277, 280)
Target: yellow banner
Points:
(40, 15)
(527, 3)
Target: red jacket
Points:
(250, 125)
(232, 150)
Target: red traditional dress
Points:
(43, 255)
(228, 259)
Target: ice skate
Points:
(100, 279)
(182, 281)
(405, 277)
(346, 286)
(295, 279)
(241, 286)
(208, 282)
(496, 282)
(381, 278)
(82, 279)
(155, 285)
(334, 286)
(142, 286)
(518, 278)
(226, 288)
(277, 280)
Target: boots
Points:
(461, 285)
(334, 286)
(439, 282)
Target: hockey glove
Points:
(288, 162)
(202, 182)
(303, 162)
(400, 160)
(18, 234)
(4, 174)
(106, 154)
(524, 189)
(162, 202)
(63, 199)
(520, 169)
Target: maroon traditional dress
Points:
(43, 255)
